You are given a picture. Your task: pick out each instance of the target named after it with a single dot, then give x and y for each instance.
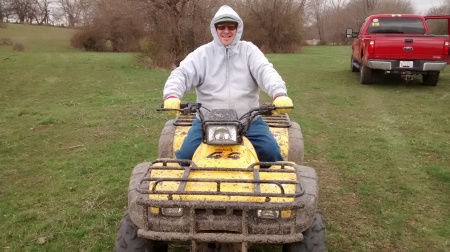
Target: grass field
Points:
(73, 124)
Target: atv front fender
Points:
(136, 210)
(310, 199)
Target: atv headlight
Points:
(173, 212)
(268, 214)
(221, 134)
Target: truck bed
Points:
(408, 47)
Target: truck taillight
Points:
(446, 48)
(372, 46)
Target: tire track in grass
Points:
(347, 223)
(349, 226)
(368, 184)
(395, 191)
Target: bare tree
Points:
(41, 11)
(443, 9)
(316, 12)
(336, 22)
(274, 25)
(76, 11)
(393, 6)
(330, 18)
(439, 26)
(2, 10)
(22, 8)
(6, 10)
(176, 27)
(360, 9)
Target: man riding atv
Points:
(227, 73)
(222, 181)
(223, 200)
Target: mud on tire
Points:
(165, 146)
(128, 240)
(296, 145)
(314, 238)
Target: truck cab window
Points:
(396, 25)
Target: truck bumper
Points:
(419, 66)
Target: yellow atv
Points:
(223, 199)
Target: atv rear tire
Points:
(165, 146)
(314, 238)
(296, 146)
(128, 240)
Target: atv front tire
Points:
(314, 238)
(128, 240)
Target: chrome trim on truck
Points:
(434, 66)
(383, 65)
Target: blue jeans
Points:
(265, 145)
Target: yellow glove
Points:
(172, 103)
(282, 101)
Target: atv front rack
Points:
(188, 166)
(226, 221)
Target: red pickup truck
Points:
(399, 44)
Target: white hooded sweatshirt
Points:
(226, 77)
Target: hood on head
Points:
(226, 13)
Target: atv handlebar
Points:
(187, 108)
(191, 108)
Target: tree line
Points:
(167, 30)
(46, 12)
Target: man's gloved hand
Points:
(282, 101)
(172, 102)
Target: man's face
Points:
(226, 32)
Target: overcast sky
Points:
(422, 6)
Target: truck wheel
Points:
(430, 79)
(366, 74)
(352, 64)
(314, 238)
(128, 240)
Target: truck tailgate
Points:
(417, 47)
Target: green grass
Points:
(73, 124)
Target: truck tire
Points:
(365, 74)
(314, 238)
(128, 240)
(352, 64)
(165, 145)
(430, 79)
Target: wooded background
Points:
(167, 30)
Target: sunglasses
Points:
(229, 27)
